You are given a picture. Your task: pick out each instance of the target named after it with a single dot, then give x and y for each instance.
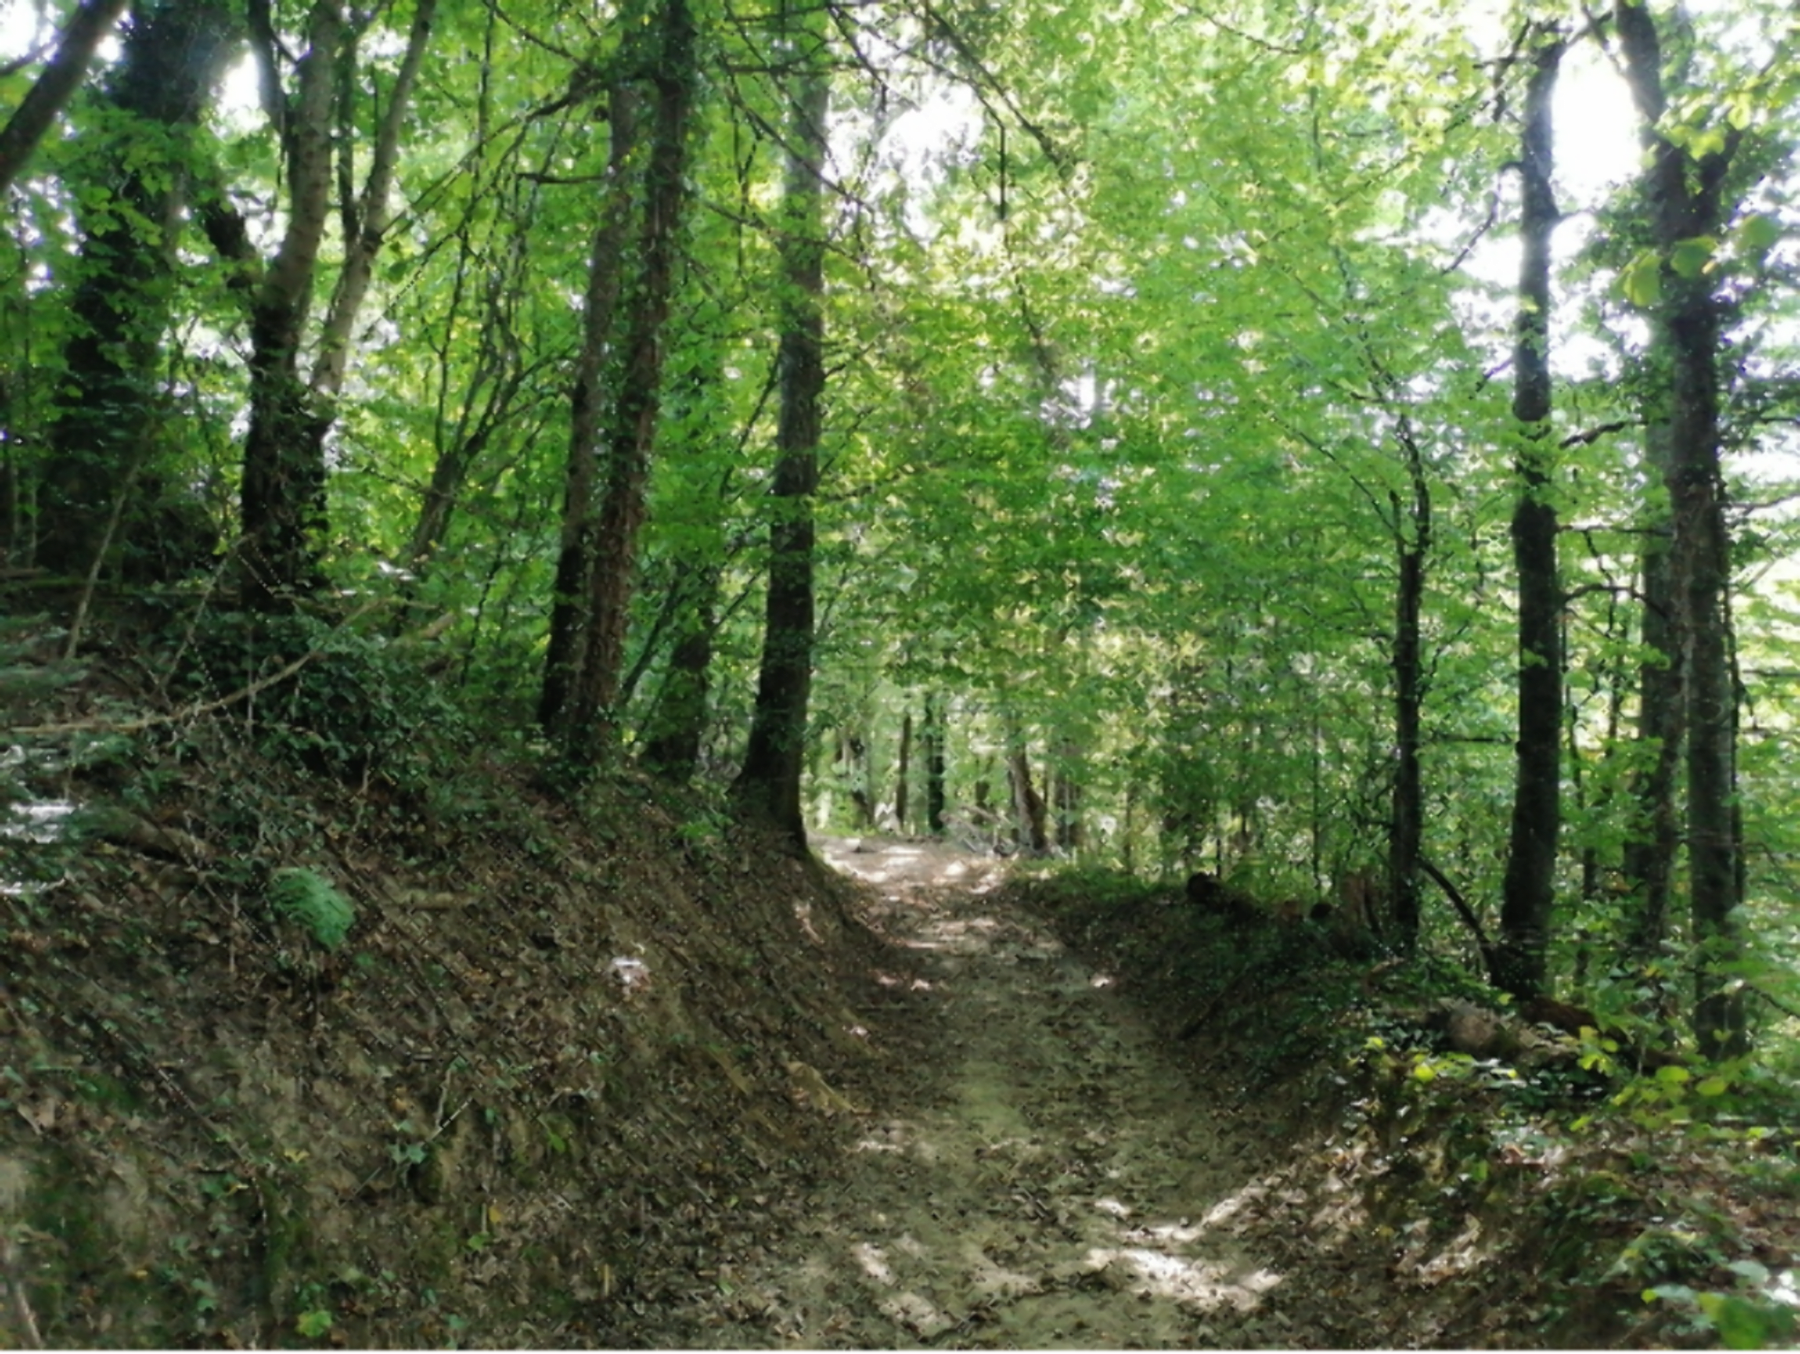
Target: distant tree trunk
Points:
(768, 786)
(1687, 203)
(903, 764)
(1066, 796)
(1520, 953)
(1406, 829)
(934, 764)
(102, 426)
(1655, 832)
(48, 96)
(677, 726)
(589, 723)
(575, 559)
(1029, 829)
(853, 767)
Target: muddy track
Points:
(1039, 1172)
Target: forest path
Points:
(1041, 1172)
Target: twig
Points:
(15, 1284)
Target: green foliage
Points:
(1746, 1318)
(355, 705)
(301, 896)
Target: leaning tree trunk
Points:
(768, 786)
(1687, 204)
(589, 726)
(1519, 957)
(101, 429)
(58, 80)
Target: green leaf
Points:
(1674, 1075)
(1743, 1323)
(313, 1324)
(1757, 234)
(1713, 1086)
(1641, 282)
(1689, 258)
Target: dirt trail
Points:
(1040, 1174)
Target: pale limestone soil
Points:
(1042, 1175)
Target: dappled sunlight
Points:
(1198, 1282)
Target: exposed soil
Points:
(1042, 1173)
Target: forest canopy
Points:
(1348, 451)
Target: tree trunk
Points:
(1687, 203)
(284, 478)
(590, 728)
(768, 786)
(575, 559)
(677, 726)
(902, 766)
(934, 764)
(1655, 833)
(59, 79)
(1029, 832)
(1066, 796)
(102, 430)
(1519, 956)
(1406, 830)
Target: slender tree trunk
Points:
(575, 560)
(1655, 833)
(1406, 830)
(769, 783)
(677, 727)
(101, 430)
(1066, 796)
(1687, 203)
(1029, 829)
(934, 764)
(902, 767)
(634, 401)
(59, 79)
(1519, 956)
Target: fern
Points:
(305, 897)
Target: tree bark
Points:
(1406, 830)
(1528, 892)
(1686, 203)
(589, 730)
(283, 488)
(677, 726)
(575, 558)
(49, 95)
(1029, 832)
(101, 433)
(934, 764)
(1655, 834)
(902, 769)
(768, 786)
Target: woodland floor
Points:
(1044, 1172)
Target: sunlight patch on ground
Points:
(873, 1261)
(1205, 1284)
